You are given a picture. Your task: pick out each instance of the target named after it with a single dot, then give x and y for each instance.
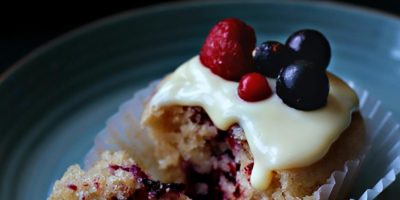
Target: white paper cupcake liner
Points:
(382, 162)
(339, 181)
(123, 132)
(379, 168)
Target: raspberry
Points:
(254, 87)
(227, 49)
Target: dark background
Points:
(25, 26)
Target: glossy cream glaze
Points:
(279, 136)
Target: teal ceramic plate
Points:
(54, 101)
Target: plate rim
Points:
(76, 33)
(135, 12)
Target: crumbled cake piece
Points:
(115, 176)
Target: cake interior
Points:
(216, 164)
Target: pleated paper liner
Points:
(380, 163)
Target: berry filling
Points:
(72, 187)
(150, 189)
(222, 180)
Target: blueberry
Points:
(303, 86)
(310, 45)
(270, 57)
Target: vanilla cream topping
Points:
(280, 137)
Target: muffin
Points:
(269, 124)
(237, 122)
(194, 148)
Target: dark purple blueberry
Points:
(310, 45)
(270, 57)
(303, 86)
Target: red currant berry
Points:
(254, 87)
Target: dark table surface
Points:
(26, 26)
